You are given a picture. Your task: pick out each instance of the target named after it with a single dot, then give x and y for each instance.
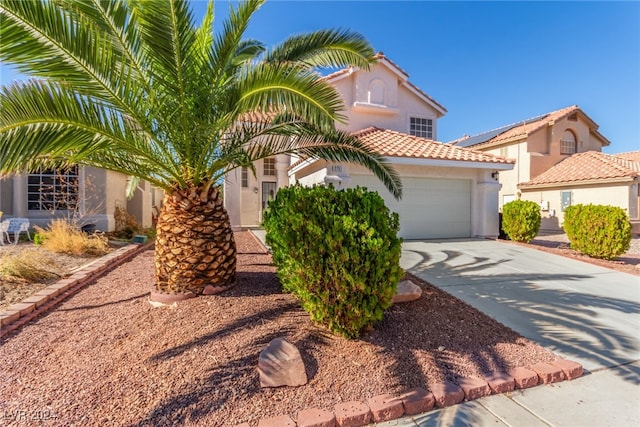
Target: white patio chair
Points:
(4, 231)
(17, 226)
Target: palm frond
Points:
(42, 39)
(287, 135)
(324, 49)
(284, 87)
(42, 121)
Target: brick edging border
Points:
(419, 401)
(23, 312)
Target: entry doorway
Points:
(268, 192)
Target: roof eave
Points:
(415, 161)
(619, 180)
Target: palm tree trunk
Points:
(194, 243)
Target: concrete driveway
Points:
(583, 312)
(580, 311)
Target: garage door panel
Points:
(430, 207)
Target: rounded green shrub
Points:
(598, 231)
(337, 251)
(521, 220)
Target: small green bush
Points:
(38, 239)
(338, 252)
(521, 220)
(598, 231)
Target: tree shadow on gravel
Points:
(89, 307)
(242, 323)
(220, 385)
(580, 325)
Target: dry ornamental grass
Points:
(63, 237)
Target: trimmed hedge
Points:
(337, 251)
(521, 220)
(598, 231)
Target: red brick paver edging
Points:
(23, 312)
(387, 407)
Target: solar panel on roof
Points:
(486, 136)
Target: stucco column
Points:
(20, 196)
(487, 212)
(232, 196)
(282, 166)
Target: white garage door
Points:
(431, 208)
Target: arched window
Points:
(377, 92)
(568, 143)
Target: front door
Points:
(268, 193)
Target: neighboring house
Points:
(87, 193)
(586, 178)
(448, 191)
(537, 145)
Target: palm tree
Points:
(135, 87)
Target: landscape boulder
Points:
(407, 291)
(280, 364)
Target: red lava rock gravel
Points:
(105, 356)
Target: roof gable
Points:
(523, 129)
(402, 76)
(586, 167)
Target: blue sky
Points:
(490, 63)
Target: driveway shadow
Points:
(563, 312)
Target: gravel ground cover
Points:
(559, 245)
(105, 356)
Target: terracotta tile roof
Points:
(587, 166)
(338, 73)
(391, 143)
(397, 144)
(631, 155)
(522, 128)
(258, 116)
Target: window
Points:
(50, 189)
(565, 199)
(421, 127)
(270, 166)
(245, 177)
(568, 143)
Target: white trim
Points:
(469, 164)
(378, 108)
(300, 166)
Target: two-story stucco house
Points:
(559, 163)
(449, 191)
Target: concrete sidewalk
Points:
(582, 312)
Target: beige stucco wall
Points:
(398, 106)
(613, 194)
(520, 173)
(6, 196)
(544, 144)
(244, 205)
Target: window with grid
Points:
(49, 189)
(568, 143)
(421, 127)
(269, 166)
(245, 177)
